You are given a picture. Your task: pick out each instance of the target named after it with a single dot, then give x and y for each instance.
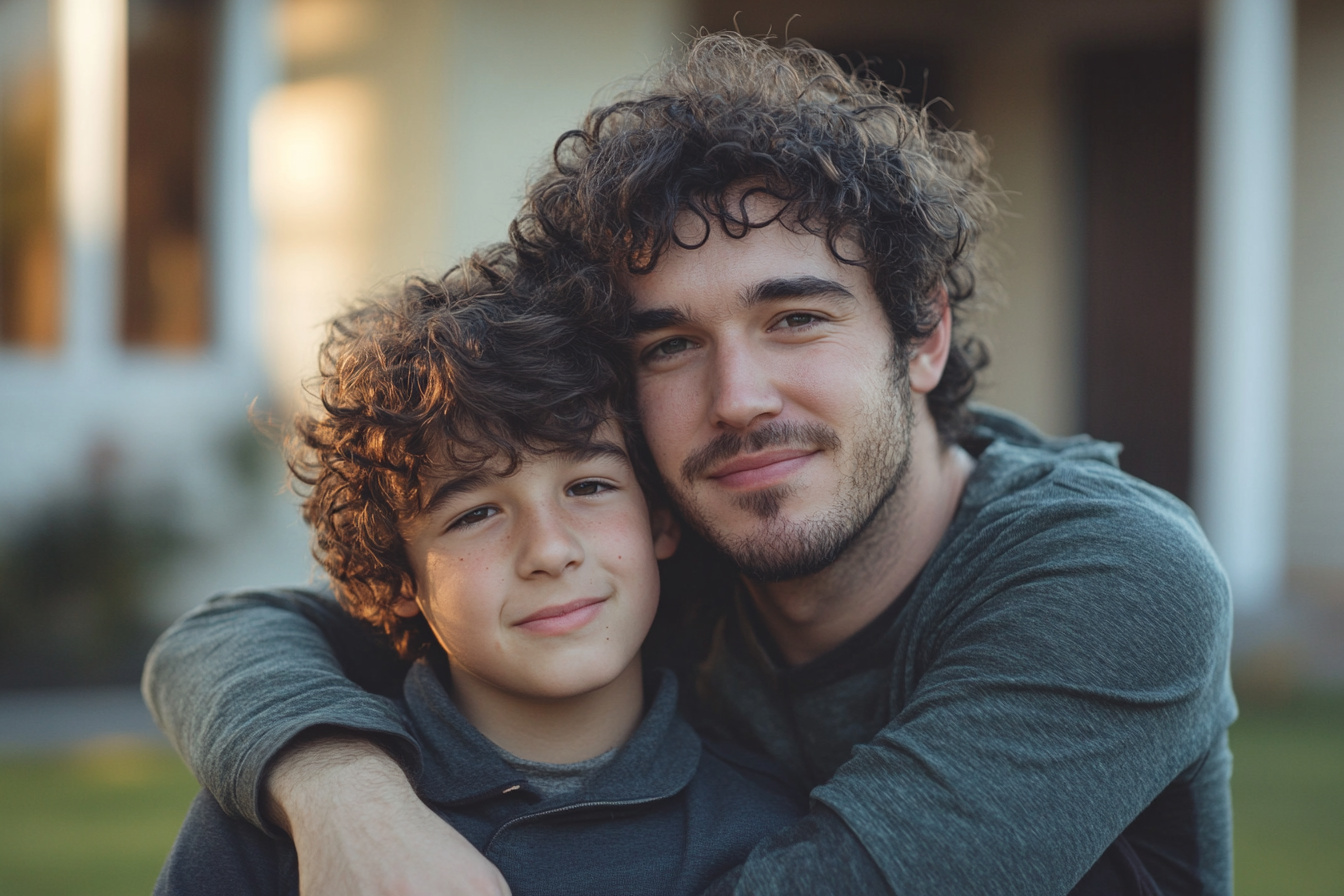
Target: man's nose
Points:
(744, 387)
(550, 545)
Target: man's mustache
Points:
(779, 434)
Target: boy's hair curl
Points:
(469, 369)
(844, 156)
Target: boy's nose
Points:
(550, 547)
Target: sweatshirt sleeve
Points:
(1081, 670)
(817, 855)
(235, 680)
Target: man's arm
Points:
(252, 689)
(236, 680)
(359, 828)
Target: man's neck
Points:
(554, 730)
(810, 616)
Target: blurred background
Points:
(189, 188)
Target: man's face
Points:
(542, 583)
(772, 402)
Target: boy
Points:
(473, 494)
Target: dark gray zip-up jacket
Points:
(667, 815)
(1054, 681)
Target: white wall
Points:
(525, 72)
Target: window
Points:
(163, 273)
(30, 308)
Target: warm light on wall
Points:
(312, 29)
(313, 160)
(312, 147)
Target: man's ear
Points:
(666, 532)
(930, 356)
(406, 608)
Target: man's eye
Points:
(472, 517)
(798, 319)
(588, 487)
(674, 346)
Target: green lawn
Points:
(1288, 797)
(98, 822)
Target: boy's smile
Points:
(562, 619)
(543, 583)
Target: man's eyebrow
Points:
(801, 287)
(772, 290)
(657, 319)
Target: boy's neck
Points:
(553, 730)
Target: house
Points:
(190, 188)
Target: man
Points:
(1000, 661)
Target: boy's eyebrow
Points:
(598, 449)
(769, 290)
(454, 486)
(468, 481)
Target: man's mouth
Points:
(764, 469)
(732, 454)
(560, 619)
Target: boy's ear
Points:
(406, 608)
(666, 532)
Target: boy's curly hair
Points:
(472, 367)
(844, 156)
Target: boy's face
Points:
(543, 583)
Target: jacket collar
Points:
(462, 766)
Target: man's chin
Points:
(767, 536)
(781, 549)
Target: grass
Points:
(100, 820)
(1288, 796)
(92, 822)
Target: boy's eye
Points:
(588, 487)
(471, 517)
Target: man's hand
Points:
(360, 829)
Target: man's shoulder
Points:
(1065, 487)
(1057, 520)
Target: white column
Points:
(248, 65)
(1241, 388)
(91, 152)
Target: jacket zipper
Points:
(560, 809)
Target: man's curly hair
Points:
(471, 369)
(845, 157)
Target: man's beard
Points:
(783, 549)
